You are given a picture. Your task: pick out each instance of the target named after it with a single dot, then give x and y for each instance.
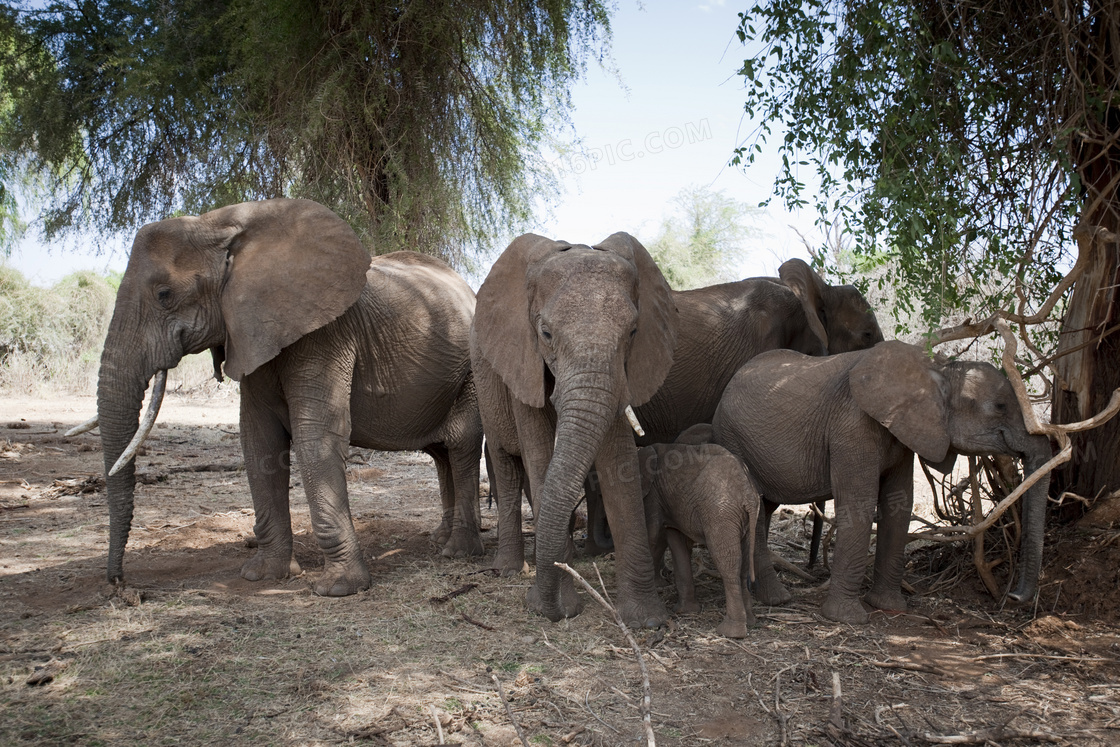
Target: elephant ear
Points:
(292, 266)
(899, 386)
(502, 327)
(651, 352)
(810, 289)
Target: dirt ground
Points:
(189, 653)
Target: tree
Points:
(705, 240)
(961, 141)
(418, 122)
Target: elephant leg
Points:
(265, 444)
(506, 480)
(855, 488)
(726, 545)
(818, 527)
(682, 570)
(466, 533)
(598, 531)
(439, 455)
(896, 504)
(617, 464)
(321, 438)
(769, 590)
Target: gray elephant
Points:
(728, 325)
(848, 426)
(703, 494)
(330, 350)
(566, 339)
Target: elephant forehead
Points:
(981, 382)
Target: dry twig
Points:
(646, 696)
(509, 711)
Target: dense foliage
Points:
(944, 135)
(419, 122)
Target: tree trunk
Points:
(1090, 373)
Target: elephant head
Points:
(243, 281)
(591, 331)
(939, 410)
(838, 316)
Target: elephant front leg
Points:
(856, 490)
(319, 408)
(506, 479)
(896, 503)
(617, 465)
(265, 445)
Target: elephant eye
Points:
(545, 333)
(163, 295)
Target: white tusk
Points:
(85, 427)
(634, 421)
(160, 383)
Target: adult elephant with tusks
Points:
(566, 339)
(330, 350)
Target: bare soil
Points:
(191, 653)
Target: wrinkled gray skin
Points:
(702, 494)
(330, 350)
(724, 326)
(848, 426)
(565, 337)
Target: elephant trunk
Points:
(1036, 454)
(585, 411)
(120, 393)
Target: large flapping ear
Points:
(899, 386)
(651, 352)
(502, 326)
(292, 266)
(809, 288)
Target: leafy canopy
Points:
(418, 122)
(946, 138)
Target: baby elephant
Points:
(702, 493)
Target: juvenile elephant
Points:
(702, 494)
(847, 426)
(565, 339)
(330, 350)
(729, 324)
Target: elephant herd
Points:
(695, 413)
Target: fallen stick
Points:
(836, 714)
(1043, 656)
(988, 735)
(435, 718)
(785, 565)
(647, 699)
(509, 711)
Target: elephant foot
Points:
(463, 543)
(441, 534)
(771, 592)
(342, 579)
(510, 563)
(261, 567)
(845, 610)
(646, 612)
(888, 601)
(570, 604)
(735, 628)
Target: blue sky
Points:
(671, 118)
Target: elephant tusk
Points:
(85, 427)
(630, 416)
(158, 387)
